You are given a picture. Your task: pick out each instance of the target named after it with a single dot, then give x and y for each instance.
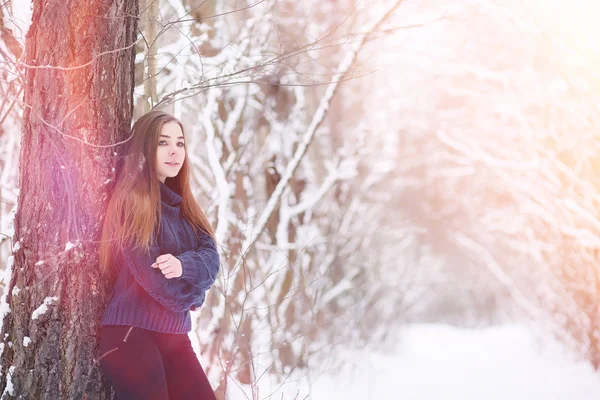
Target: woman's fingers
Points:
(169, 265)
(163, 257)
(168, 270)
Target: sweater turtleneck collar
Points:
(168, 195)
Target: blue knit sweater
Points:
(142, 296)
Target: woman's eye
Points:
(164, 142)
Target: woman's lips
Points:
(172, 164)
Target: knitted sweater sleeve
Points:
(174, 294)
(201, 265)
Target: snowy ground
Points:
(434, 362)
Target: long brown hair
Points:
(134, 210)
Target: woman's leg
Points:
(131, 362)
(186, 379)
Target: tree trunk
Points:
(152, 12)
(57, 291)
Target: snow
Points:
(5, 279)
(44, 307)
(431, 362)
(20, 17)
(9, 389)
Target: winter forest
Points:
(380, 175)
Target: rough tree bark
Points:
(78, 99)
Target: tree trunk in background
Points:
(152, 8)
(57, 291)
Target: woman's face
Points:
(170, 151)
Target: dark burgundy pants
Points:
(143, 364)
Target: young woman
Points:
(161, 248)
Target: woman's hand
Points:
(169, 265)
